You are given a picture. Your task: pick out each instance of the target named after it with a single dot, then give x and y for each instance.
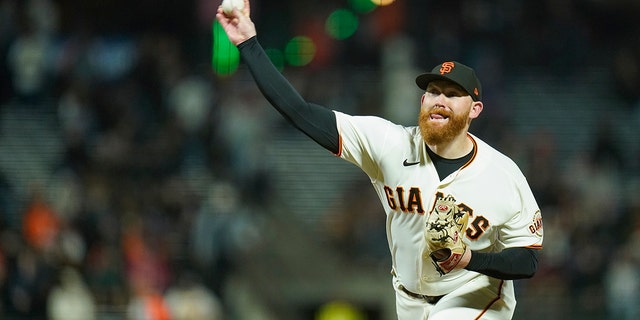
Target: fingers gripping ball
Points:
(444, 234)
(228, 5)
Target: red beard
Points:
(436, 133)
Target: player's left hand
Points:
(444, 234)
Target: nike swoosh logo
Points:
(408, 164)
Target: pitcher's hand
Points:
(237, 24)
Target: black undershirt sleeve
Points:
(509, 264)
(317, 122)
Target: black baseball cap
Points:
(454, 71)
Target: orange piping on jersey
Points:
(339, 144)
(535, 246)
(475, 152)
(492, 302)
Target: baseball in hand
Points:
(228, 5)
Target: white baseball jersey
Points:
(503, 211)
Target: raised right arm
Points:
(317, 122)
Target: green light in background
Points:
(362, 6)
(341, 24)
(225, 57)
(276, 56)
(300, 51)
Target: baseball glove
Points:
(444, 234)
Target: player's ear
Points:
(476, 108)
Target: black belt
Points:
(428, 299)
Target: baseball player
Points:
(461, 220)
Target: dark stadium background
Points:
(137, 181)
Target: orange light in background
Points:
(315, 29)
(388, 20)
(382, 2)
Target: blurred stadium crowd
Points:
(134, 181)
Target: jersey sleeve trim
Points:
(338, 152)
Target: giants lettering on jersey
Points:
(396, 199)
(536, 226)
(411, 202)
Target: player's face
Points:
(445, 112)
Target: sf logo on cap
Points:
(446, 67)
